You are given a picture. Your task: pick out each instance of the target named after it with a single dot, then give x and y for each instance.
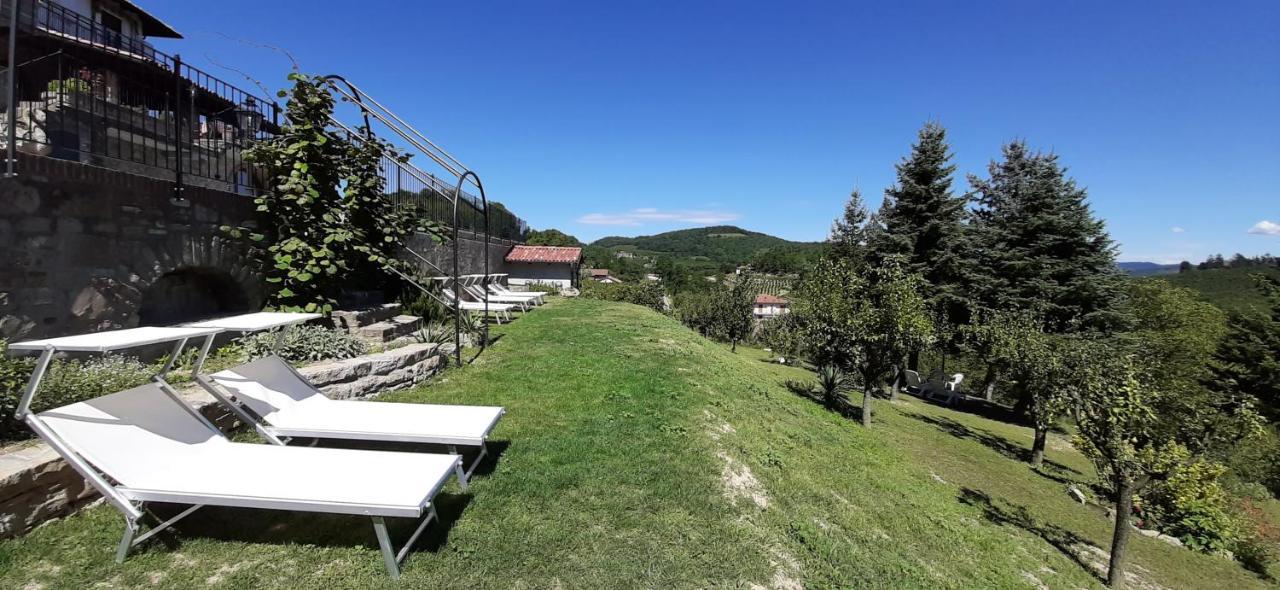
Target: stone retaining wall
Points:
(37, 485)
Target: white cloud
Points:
(651, 215)
(1265, 228)
(1177, 230)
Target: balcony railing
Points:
(88, 94)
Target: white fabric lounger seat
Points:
(158, 450)
(289, 406)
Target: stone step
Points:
(356, 318)
(388, 330)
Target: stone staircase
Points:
(377, 324)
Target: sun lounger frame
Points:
(132, 502)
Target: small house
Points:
(770, 306)
(602, 275)
(551, 265)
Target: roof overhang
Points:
(151, 25)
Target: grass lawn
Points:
(635, 454)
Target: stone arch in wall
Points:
(191, 293)
(168, 281)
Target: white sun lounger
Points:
(524, 303)
(282, 404)
(497, 288)
(500, 311)
(146, 445)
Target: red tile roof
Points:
(551, 254)
(767, 299)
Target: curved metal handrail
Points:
(446, 161)
(484, 282)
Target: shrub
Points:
(541, 287)
(1190, 503)
(66, 382)
(647, 294)
(306, 344)
(783, 335)
(696, 309)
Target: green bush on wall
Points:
(66, 382)
(303, 344)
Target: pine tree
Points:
(924, 225)
(1248, 359)
(848, 233)
(1039, 248)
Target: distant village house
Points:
(770, 306)
(602, 275)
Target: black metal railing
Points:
(54, 19)
(89, 94)
(86, 93)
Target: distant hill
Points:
(1228, 288)
(723, 244)
(1142, 269)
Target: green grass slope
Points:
(1229, 288)
(636, 454)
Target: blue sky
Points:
(625, 118)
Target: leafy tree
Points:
(734, 307)
(1185, 266)
(308, 246)
(848, 235)
(1040, 367)
(1126, 430)
(551, 237)
(924, 226)
(1039, 247)
(783, 335)
(326, 221)
(722, 311)
(994, 338)
(1176, 334)
(1118, 431)
(1248, 359)
(863, 322)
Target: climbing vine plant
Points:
(325, 223)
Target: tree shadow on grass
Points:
(1051, 469)
(1005, 513)
(844, 406)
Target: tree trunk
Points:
(989, 383)
(913, 361)
(894, 386)
(866, 404)
(1037, 447)
(1022, 406)
(1120, 537)
(734, 346)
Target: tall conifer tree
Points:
(922, 225)
(1039, 248)
(848, 233)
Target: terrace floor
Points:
(635, 454)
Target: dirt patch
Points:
(1031, 578)
(739, 482)
(225, 570)
(1058, 443)
(1135, 576)
(786, 570)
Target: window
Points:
(114, 28)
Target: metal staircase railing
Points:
(372, 109)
